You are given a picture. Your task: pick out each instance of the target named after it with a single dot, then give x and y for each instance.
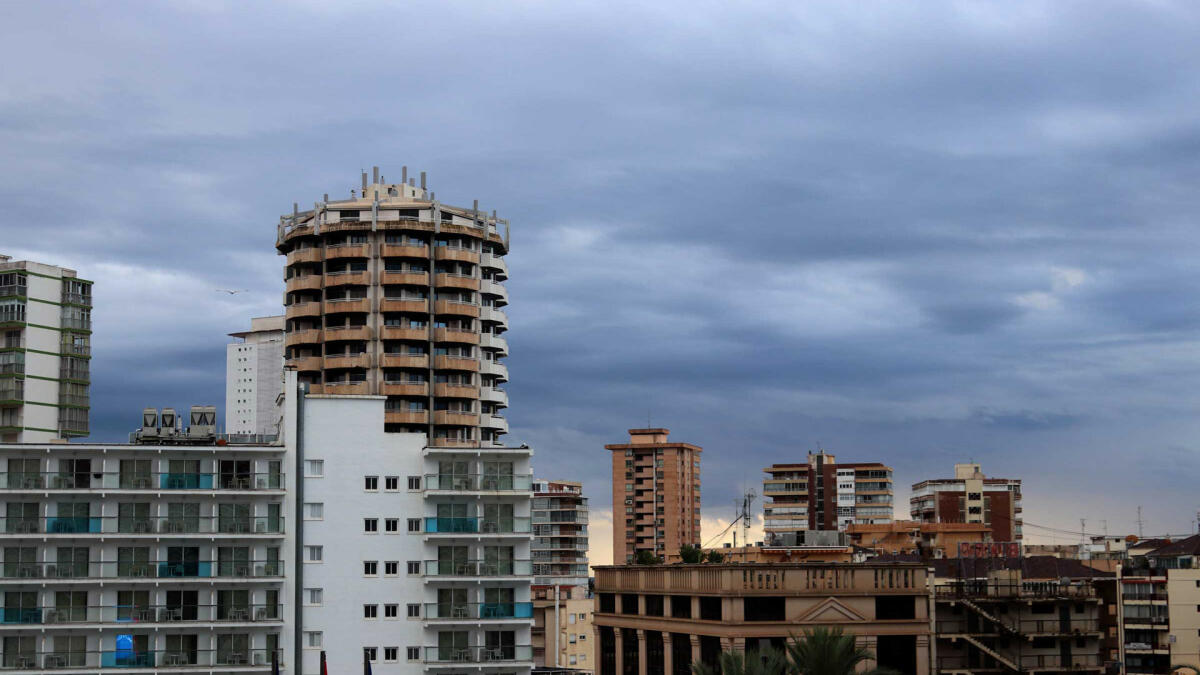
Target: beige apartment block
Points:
(664, 618)
(45, 352)
(394, 293)
(656, 494)
(1160, 606)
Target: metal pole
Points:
(557, 630)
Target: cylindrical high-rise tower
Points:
(393, 293)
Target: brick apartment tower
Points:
(656, 495)
(394, 293)
(970, 497)
(823, 495)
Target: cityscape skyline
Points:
(984, 274)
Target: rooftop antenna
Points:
(1139, 521)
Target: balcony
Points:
(404, 333)
(478, 482)
(494, 368)
(495, 422)
(445, 390)
(472, 611)
(123, 615)
(305, 363)
(355, 278)
(136, 658)
(490, 341)
(305, 255)
(357, 333)
(477, 525)
(456, 308)
(494, 395)
(415, 305)
(339, 251)
(455, 418)
(137, 527)
(443, 362)
(135, 570)
(13, 291)
(478, 568)
(494, 315)
(303, 337)
(454, 253)
(304, 282)
(494, 289)
(457, 335)
(406, 417)
(446, 280)
(338, 361)
(501, 655)
(75, 349)
(404, 361)
(389, 278)
(344, 388)
(347, 305)
(12, 390)
(296, 310)
(404, 251)
(494, 262)
(404, 389)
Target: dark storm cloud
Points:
(917, 234)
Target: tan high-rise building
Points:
(656, 495)
(394, 293)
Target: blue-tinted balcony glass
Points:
(22, 615)
(127, 659)
(73, 525)
(506, 610)
(451, 525)
(184, 569)
(186, 481)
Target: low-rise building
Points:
(927, 540)
(823, 495)
(663, 618)
(1022, 615)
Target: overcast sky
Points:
(915, 233)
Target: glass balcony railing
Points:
(477, 525)
(478, 610)
(235, 525)
(471, 482)
(112, 569)
(478, 568)
(120, 614)
(114, 480)
(499, 653)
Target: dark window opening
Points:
(895, 607)
(769, 608)
(710, 609)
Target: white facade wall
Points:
(254, 378)
(241, 388)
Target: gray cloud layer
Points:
(913, 233)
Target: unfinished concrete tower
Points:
(393, 293)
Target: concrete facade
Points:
(254, 378)
(656, 494)
(45, 352)
(560, 564)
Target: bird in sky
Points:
(234, 292)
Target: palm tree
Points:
(766, 662)
(829, 651)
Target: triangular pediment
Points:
(830, 611)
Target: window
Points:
(391, 653)
(414, 524)
(371, 525)
(371, 483)
(414, 610)
(370, 567)
(414, 482)
(391, 525)
(314, 553)
(369, 653)
(391, 611)
(412, 653)
(313, 596)
(370, 611)
(414, 566)
(314, 511)
(391, 483)
(314, 468)
(313, 639)
(391, 568)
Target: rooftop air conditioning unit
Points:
(170, 426)
(203, 422)
(149, 423)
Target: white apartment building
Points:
(165, 557)
(254, 377)
(560, 568)
(45, 348)
(412, 556)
